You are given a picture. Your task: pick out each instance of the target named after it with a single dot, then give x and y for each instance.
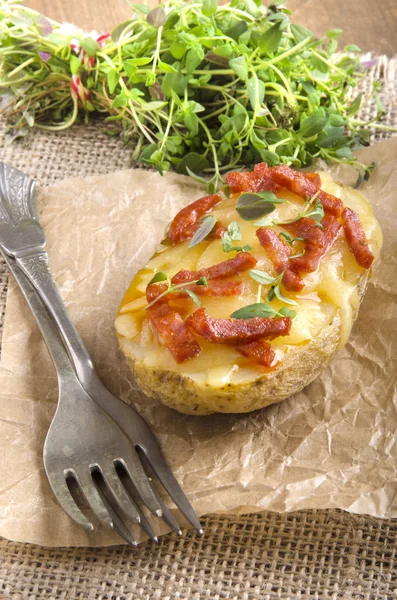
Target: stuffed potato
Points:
(250, 295)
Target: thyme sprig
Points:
(312, 209)
(274, 292)
(172, 288)
(233, 234)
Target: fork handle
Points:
(34, 264)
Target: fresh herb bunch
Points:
(197, 87)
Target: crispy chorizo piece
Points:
(186, 222)
(279, 254)
(214, 288)
(258, 180)
(173, 332)
(317, 241)
(331, 227)
(356, 238)
(237, 331)
(306, 186)
(241, 262)
(314, 245)
(260, 352)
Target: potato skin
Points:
(291, 375)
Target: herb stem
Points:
(167, 130)
(259, 293)
(236, 11)
(291, 51)
(63, 126)
(157, 51)
(170, 290)
(354, 122)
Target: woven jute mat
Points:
(322, 555)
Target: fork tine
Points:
(133, 466)
(117, 523)
(131, 490)
(62, 493)
(117, 490)
(92, 496)
(167, 517)
(155, 458)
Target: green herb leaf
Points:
(178, 49)
(271, 158)
(352, 48)
(259, 309)
(174, 82)
(166, 67)
(90, 46)
(252, 206)
(261, 277)
(193, 296)
(312, 125)
(270, 296)
(156, 17)
(287, 312)
(282, 298)
(113, 80)
(290, 239)
(270, 40)
(334, 34)
(265, 222)
(233, 234)
(256, 91)
(209, 7)
(75, 64)
(298, 255)
(193, 58)
(287, 236)
(205, 228)
(202, 281)
(141, 8)
(300, 33)
(118, 30)
(239, 66)
(316, 212)
(192, 163)
(160, 276)
(355, 105)
(238, 29)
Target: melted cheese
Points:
(330, 290)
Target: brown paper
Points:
(330, 446)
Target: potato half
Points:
(220, 379)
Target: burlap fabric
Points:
(320, 555)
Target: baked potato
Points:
(251, 293)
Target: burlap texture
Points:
(320, 555)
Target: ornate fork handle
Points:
(35, 266)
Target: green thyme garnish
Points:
(205, 228)
(312, 209)
(275, 292)
(263, 310)
(251, 206)
(289, 239)
(171, 288)
(233, 234)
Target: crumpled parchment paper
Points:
(331, 446)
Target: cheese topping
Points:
(331, 289)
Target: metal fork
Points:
(23, 241)
(85, 446)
